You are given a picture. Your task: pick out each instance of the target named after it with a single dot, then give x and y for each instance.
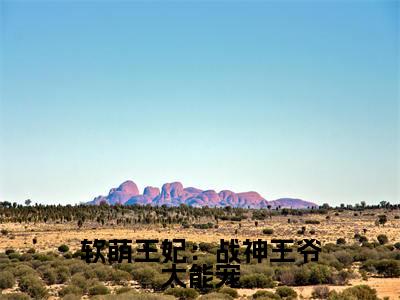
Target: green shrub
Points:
(286, 292)
(70, 289)
(48, 274)
(359, 292)
(387, 267)
(182, 293)
(208, 247)
(50, 277)
(382, 239)
(25, 257)
(319, 274)
(33, 287)
(63, 248)
(268, 231)
(397, 245)
(23, 269)
(7, 280)
(77, 266)
(15, 296)
(229, 291)
(98, 289)
(14, 255)
(149, 277)
(119, 276)
(102, 272)
(80, 281)
(340, 241)
(63, 274)
(256, 281)
(344, 257)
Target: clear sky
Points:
(290, 99)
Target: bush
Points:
(382, 239)
(387, 267)
(15, 296)
(4, 231)
(182, 293)
(256, 281)
(344, 257)
(33, 287)
(145, 275)
(286, 276)
(70, 289)
(119, 276)
(268, 231)
(359, 292)
(229, 291)
(98, 289)
(286, 292)
(49, 276)
(102, 272)
(320, 274)
(9, 251)
(63, 274)
(79, 280)
(14, 255)
(7, 280)
(22, 270)
(340, 241)
(397, 245)
(208, 247)
(63, 248)
(320, 292)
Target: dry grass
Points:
(50, 236)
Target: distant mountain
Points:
(174, 194)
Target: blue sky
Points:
(290, 99)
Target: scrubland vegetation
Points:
(58, 272)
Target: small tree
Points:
(382, 219)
